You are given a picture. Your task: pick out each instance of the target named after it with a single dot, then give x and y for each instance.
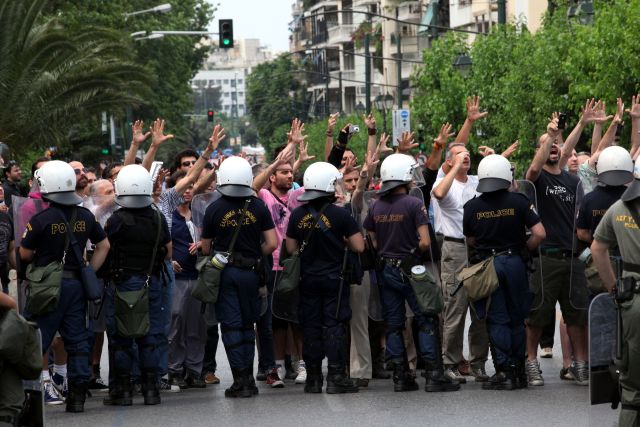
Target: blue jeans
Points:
(148, 345)
(323, 332)
(168, 278)
(395, 290)
(237, 309)
(508, 310)
(69, 318)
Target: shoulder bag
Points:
(207, 287)
(90, 283)
(132, 307)
(289, 278)
(43, 291)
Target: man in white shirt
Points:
(450, 193)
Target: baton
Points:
(344, 266)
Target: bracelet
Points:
(329, 133)
(372, 132)
(364, 175)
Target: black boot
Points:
(76, 397)
(402, 378)
(238, 389)
(339, 382)
(501, 380)
(314, 379)
(519, 374)
(436, 380)
(249, 383)
(120, 393)
(378, 371)
(150, 388)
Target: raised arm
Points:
(138, 138)
(328, 141)
(439, 143)
(303, 156)
(634, 112)
(610, 134)
(194, 173)
(441, 190)
(589, 115)
(157, 138)
(542, 154)
(473, 114)
(285, 156)
(370, 121)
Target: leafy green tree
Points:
(52, 78)
(268, 95)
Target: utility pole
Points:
(340, 89)
(502, 12)
(367, 73)
(399, 62)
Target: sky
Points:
(266, 20)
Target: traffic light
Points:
(225, 33)
(106, 147)
(209, 115)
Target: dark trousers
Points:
(395, 290)
(266, 358)
(209, 363)
(124, 352)
(548, 332)
(237, 310)
(507, 311)
(69, 319)
(323, 332)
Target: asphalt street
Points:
(557, 403)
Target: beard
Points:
(551, 162)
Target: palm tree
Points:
(50, 79)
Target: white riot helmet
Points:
(235, 177)
(614, 166)
(494, 173)
(320, 180)
(57, 182)
(397, 170)
(134, 187)
(633, 192)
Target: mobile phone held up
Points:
(562, 121)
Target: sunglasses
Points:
(188, 163)
(79, 171)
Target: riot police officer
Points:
(619, 227)
(398, 226)
(237, 307)
(140, 242)
(485, 220)
(319, 230)
(46, 240)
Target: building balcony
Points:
(322, 4)
(340, 34)
(357, 3)
(410, 11)
(348, 78)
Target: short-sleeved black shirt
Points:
(395, 220)
(221, 219)
(325, 249)
(498, 220)
(556, 196)
(596, 203)
(46, 231)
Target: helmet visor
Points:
(417, 176)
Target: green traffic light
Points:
(105, 151)
(226, 42)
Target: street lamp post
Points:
(161, 8)
(463, 64)
(384, 104)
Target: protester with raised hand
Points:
(563, 280)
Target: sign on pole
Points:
(400, 124)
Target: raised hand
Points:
(216, 136)
(552, 129)
(137, 131)
(157, 133)
(634, 111)
(444, 135)
(473, 109)
(331, 123)
(591, 112)
(405, 142)
(295, 135)
(382, 148)
(619, 111)
(371, 161)
(285, 156)
(511, 149)
(369, 120)
(303, 156)
(485, 150)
